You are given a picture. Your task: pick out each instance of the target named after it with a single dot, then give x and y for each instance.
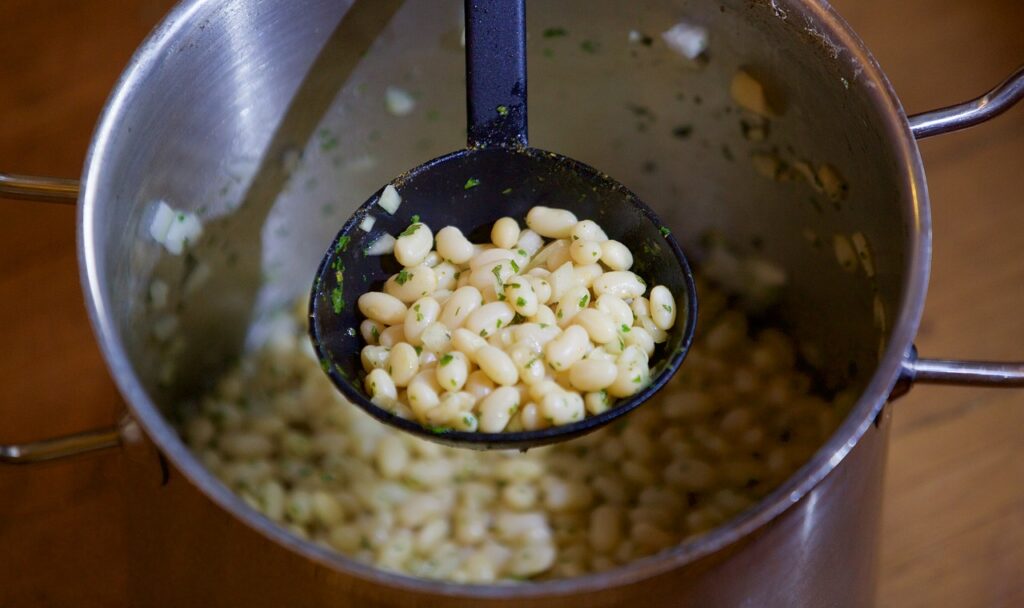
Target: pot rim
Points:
(826, 24)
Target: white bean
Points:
(467, 342)
(586, 274)
(571, 302)
(559, 249)
(436, 337)
(588, 230)
(530, 417)
(460, 305)
(561, 407)
(621, 283)
(540, 287)
(489, 257)
(567, 348)
(638, 336)
(616, 308)
(505, 233)
(381, 387)
(520, 295)
(423, 393)
(423, 313)
(528, 363)
(497, 365)
(410, 284)
(592, 374)
(413, 244)
(633, 373)
(599, 325)
(453, 245)
(403, 363)
(374, 357)
(597, 403)
(452, 371)
(551, 223)
(663, 307)
(382, 308)
(479, 385)
(586, 251)
(530, 242)
(490, 318)
(445, 274)
(641, 307)
(657, 334)
(392, 335)
(616, 256)
(370, 331)
(498, 408)
(544, 316)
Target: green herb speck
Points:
(515, 267)
(402, 276)
(503, 110)
(667, 308)
(625, 328)
(337, 303)
(471, 183)
(342, 244)
(584, 300)
(555, 32)
(411, 229)
(507, 191)
(520, 301)
(664, 231)
(589, 46)
(446, 359)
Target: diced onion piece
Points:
(749, 93)
(399, 102)
(367, 224)
(382, 246)
(389, 199)
(162, 219)
(687, 39)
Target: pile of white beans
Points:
(516, 334)
(738, 419)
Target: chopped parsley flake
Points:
(415, 219)
(664, 231)
(471, 183)
(520, 301)
(402, 276)
(342, 243)
(446, 359)
(375, 332)
(667, 308)
(503, 110)
(515, 267)
(636, 380)
(411, 229)
(498, 323)
(589, 46)
(325, 365)
(625, 328)
(337, 302)
(555, 32)
(522, 252)
(483, 333)
(584, 300)
(507, 191)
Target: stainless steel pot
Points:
(266, 117)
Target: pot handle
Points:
(936, 122)
(970, 113)
(53, 190)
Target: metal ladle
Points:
(496, 175)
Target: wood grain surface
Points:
(954, 511)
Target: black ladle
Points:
(497, 175)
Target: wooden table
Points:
(954, 512)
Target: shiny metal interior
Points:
(268, 120)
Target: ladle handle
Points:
(496, 73)
(936, 122)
